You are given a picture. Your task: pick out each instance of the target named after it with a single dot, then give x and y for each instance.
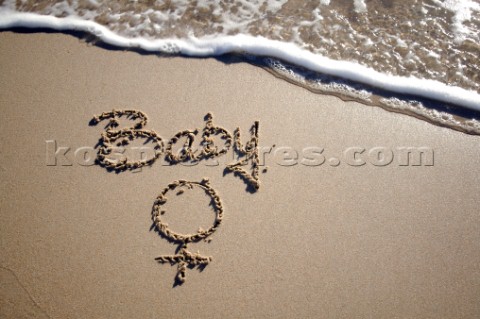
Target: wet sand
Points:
(313, 242)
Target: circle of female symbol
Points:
(184, 257)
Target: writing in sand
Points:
(114, 137)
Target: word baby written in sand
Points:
(113, 138)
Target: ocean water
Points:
(418, 57)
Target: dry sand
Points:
(313, 242)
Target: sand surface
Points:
(314, 242)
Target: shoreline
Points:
(259, 46)
(314, 241)
(435, 112)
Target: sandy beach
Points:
(334, 240)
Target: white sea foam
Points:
(434, 116)
(256, 45)
(360, 6)
(410, 38)
(462, 12)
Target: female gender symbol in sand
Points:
(184, 257)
